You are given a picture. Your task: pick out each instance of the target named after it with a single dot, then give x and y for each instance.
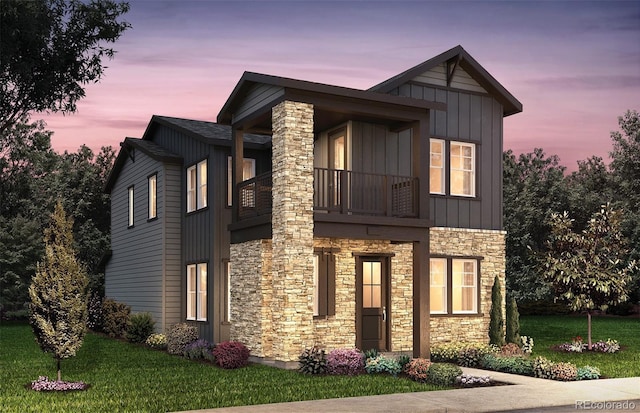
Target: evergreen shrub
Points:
(443, 374)
(313, 361)
(140, 327)
(116, 317)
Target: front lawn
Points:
(132, 378)
(548, 331)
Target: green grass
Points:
(132, 378)
(548, 331)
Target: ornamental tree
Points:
(496, 322)
(587, 269)
(58, 293)
(513, 323)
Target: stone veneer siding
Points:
(459, 242)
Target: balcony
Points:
(339, 192)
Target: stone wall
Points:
(490, 245)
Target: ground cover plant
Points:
(550, 331)
(128, 377)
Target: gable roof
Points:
(457, 55)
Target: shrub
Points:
(95, 316)
(231, 354)
(313, 361)
(384, 365)
(197, 350)
(447, 352)
(345, 362)
(513, 323)
(508, 364)
(564, 371)
(542, 368)
(511, 349)
(115, 318)
(371, 353)
(609, 346)
(404, 360)
(418, 369)
(157, 341)
(587, 373)
(527, 344)
(471, 354)
(496, 322)
(443, 374)
(180, 336)
(467, 380)
(140, 327)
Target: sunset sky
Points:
(575, 65)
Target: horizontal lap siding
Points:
(256, 97)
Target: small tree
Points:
(513, 322)
(58, 293)
(496, 333)
(586, 268)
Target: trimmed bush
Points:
(508, 364)
(513, 323)
(197, 350)
(140, 327)
(471, 355)
(443, 374)
(418, 369)
(343, 361)
(511, 349)
(383, 365)
(231, 355)
(115, 318)
(313, 361)
(564, 371)
(542, 368)
(181, 335)
(95, 316)
(157, 341)
(447, 352)
(587, 373)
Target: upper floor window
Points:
(197, 292)
(436, 167)
(197, 186)
(153, 196)
(131, 203)
(248, 172)
(463, 176)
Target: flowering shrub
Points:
(157, 341)
(587, 373)
(231, 354)
(382, 364)
(542, 368)
(472, 354)
(313, 361)
(94, 307)
(467, 380)
(609, 346)
(180, 336)
(44, 384)
(447, 352)
(511, 349)
(577, 346)
(564, 371)
(418, 369)
(443, 374)
(197, 350)
(345, 361)
(527, 344)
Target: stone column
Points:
(292, 226)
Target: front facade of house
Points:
(312, 214)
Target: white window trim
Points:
(474, 310)
(131, 211)
(472, 171)
(443, 167)
(195, 292)
(153, 196)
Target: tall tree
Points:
(496, 321)
(533, 188)
(58, 293)
(51, 49)
(589, 269)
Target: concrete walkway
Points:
(526, 394)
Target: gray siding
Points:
(470, 117)
(172, 236)
(257, 96)
(139, 267)
(377, 150)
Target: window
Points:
(197, 186)
(438, 286)
(227, 289)
(454, 285)
(248, 172)
(324, 284)
(131, 202)
(463, 180)
(197, 292)
(153, 196)
(436, 167)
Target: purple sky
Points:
(574, 65)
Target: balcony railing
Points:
(340, 191)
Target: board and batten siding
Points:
(470, 117)
(140, 269)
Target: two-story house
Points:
(313, 214)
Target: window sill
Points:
(469, 315)
(152, 219)
(195, 211)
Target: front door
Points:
(372, 309)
